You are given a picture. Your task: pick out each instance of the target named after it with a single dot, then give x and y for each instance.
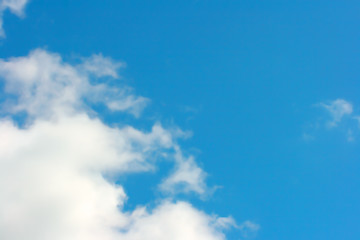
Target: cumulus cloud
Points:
(45, 85)
(52, 184)
(174, 221)
(53, 167)
(337, 109)
(15, 6)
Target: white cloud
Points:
(52, 170)
(337, 109)
(174, 221)
(249, 229)
(357, 118)
(101, 66)
(57, 190)
(187, 177)
(134, 105)
(46, 85)
(15, 6)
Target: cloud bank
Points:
(53, 162)
(15, 6)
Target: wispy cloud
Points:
(52, 169)
(340, 117)
(15, 6)
(101, 66)
(337, 109)
(249, 229)
(187, 176)
(357, 118)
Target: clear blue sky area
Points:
(249, 79)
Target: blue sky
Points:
(269, 90)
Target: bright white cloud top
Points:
(52, 167)
(15, 6)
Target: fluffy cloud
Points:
(15, 6)
(46, 86)
(52, 184)
(337, 109)
(53, 167)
